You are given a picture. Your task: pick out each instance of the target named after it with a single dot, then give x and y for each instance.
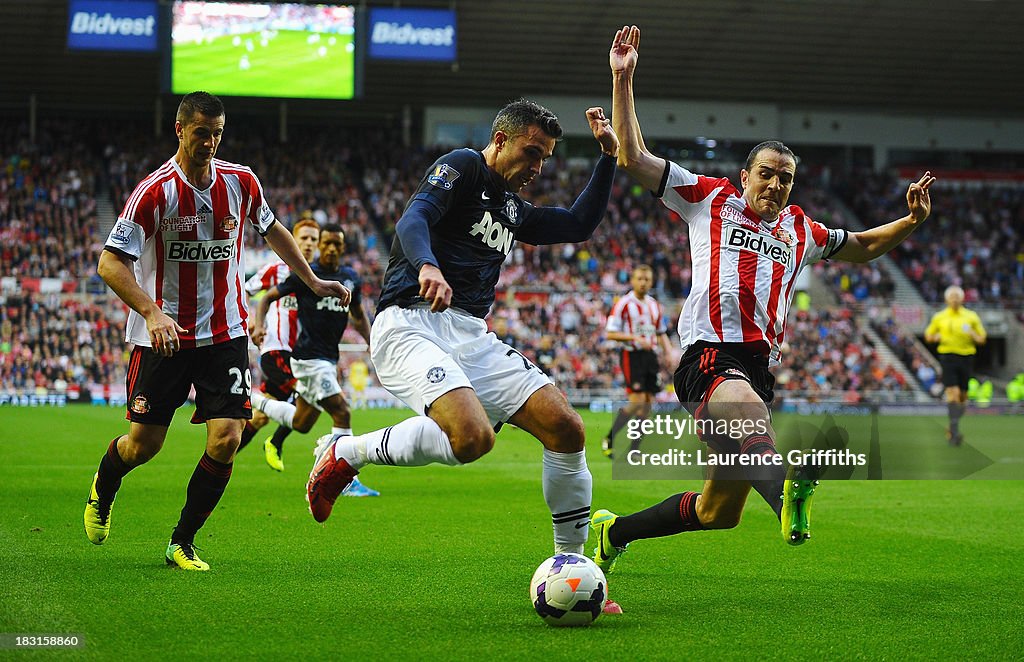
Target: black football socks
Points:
(205, 489)
(112, 470)
(674, 515)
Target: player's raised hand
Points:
(918, 199)
(164, 333)
(331, 288)
(434, 288)
(602, 128)
(624, 52)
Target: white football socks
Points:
(280, 412)
(567, 490)
(341, 432)
(412, 443)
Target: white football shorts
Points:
(315, 379)
(419, 356)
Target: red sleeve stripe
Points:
(269, 276)
(616, 313)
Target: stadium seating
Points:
(61, 343)
(552, 300)
(47, 204)
(973, 239)
(826, 355)
(910, 352)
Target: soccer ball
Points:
(568, 590)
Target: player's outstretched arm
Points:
(931, 334)
(284, 245)
(643, 166)
(163, 331)
(622, 336)
(557, 225)
(867, 245)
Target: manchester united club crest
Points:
(140, 405)
(511, 209)
(228, 224)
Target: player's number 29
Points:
(236, 388)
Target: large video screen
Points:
(264, 50)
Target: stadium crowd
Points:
(48, 226)
(975, 238)
(61, 343)
(552, 299)
(909, 351)
(827, 355)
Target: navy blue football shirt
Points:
(477, 221)
(322, 320)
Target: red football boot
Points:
(326, 481)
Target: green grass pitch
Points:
(288, 65)
(438, 567)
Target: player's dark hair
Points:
(773, 145)
(521, 114)
(333, 227)
(198, 102)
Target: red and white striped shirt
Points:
(638, 317)
(283, 315)
(744, 267)
(187, 248)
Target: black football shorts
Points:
(157, 385)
